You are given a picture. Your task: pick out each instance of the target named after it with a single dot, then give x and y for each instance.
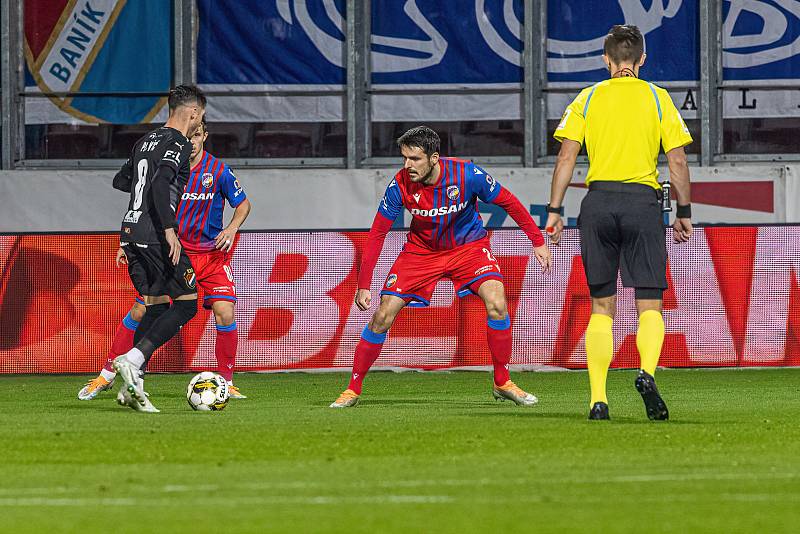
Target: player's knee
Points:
(495, 302)
(496, 309)
(382, 321)
(137, 311)
(604, 305)
(224, 313)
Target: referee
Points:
(623, 121)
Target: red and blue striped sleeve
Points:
(483, 184)
(232, 190)
(391, 204)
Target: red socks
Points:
(498, 335)
(123, 340)
(225, 350)
(367, 351)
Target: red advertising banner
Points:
(733, 300)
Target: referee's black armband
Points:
(551, 209)
(684, 212)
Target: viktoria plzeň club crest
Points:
(100, 46)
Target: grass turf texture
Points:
(423, 452)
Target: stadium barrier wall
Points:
(322, 199)
(733, 300)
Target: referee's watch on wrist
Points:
(684, 211)
(551, 209)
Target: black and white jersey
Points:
(162, 147)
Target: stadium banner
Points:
(733, 300)
(96, 46)
(323, 199)
(285, 45)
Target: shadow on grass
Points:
(531, 413)
(406, 402)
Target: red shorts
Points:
(214, 276)
(415, 274)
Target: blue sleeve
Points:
(391, 204)
(231, 189)
(482, 183)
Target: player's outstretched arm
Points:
(390, 206)
(562, 176)
(372, 250)
(511, 204)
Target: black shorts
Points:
(622, 229)
(153, 274)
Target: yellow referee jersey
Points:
(624, 122)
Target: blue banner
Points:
(455, 42)
(273, 42)
(576, 31)
(761, 40)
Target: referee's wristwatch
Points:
(551, 209)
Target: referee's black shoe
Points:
(653, 403)
(599, 412)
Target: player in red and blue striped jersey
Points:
(207, 243)
(447, 240)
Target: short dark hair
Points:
(624, 44)
(421, 137)
(185, 95)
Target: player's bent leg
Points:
(600, 345)
(154, 308)
(649, 340)
(122, 343)
(498, 333)
(163, 329)
(369, 348)
(498, 336)
(226, 342)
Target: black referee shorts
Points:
(622, 229)
(153, 274)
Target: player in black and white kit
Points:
(159, 269)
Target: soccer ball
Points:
(207, 392)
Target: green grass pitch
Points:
(424, 452)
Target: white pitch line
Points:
(390, 484)
(328, 500)
(228, 501)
